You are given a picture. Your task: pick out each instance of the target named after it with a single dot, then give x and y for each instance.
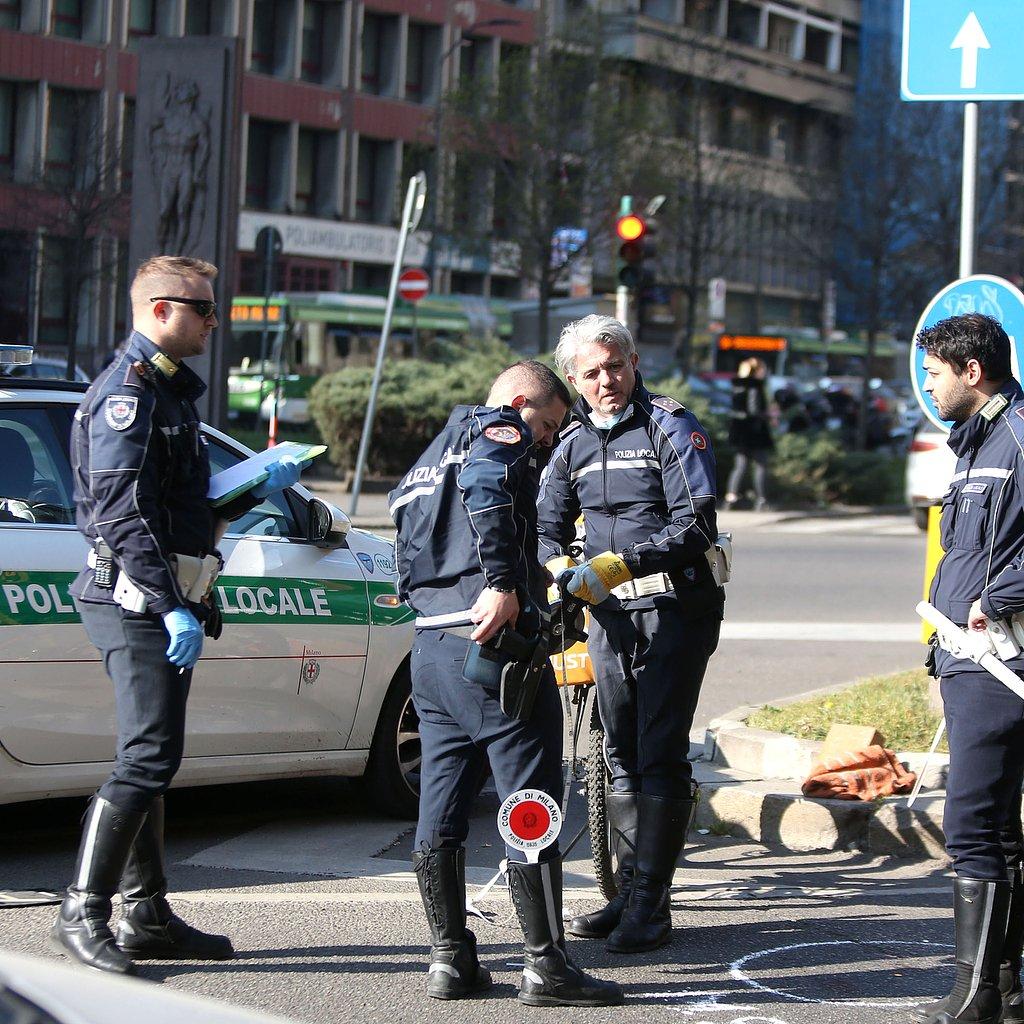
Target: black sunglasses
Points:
(204, 307)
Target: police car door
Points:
(56, 703)
(286, 673)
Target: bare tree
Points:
(76, 204)
(550, 143)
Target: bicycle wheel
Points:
(597, 815)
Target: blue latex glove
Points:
(186, 637)
(280, 475)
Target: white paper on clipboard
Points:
(237, 479)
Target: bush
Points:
(416, 398)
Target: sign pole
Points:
(968, 191)
(415, 198)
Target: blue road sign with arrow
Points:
(963, 50)
(981, 293)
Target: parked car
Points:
(311, 676)
(35, 990)
(930, 467)
(44, 367)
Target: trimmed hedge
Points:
(417, 396)
(415, 400)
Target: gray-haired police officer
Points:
(141, 477)
(640, 469)
(467, 562)
(979, 580)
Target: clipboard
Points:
(243, 476)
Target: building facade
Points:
(339, 107)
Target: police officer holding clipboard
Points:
(141, 476)
(467, 563)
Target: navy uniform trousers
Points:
(462, 728)
(149, 694)
(649, 665)
(985, 726)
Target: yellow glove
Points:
(595, 579)
(556, 566)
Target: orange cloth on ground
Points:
(859, 775)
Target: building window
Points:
(10, 13)
(54, 311)
(701, 15)
(67, 19)
(141, 21)
(315, 170)
(421, 63)
(127, 143)
(198, 18)
(313, 39)
(72, 126)
(270, 35)
(743, 23)
(379, 54)
(850, 56)
(816, 46)
(8, 119)
(309, 276)
(266, 162)
(374, 180)
(475, 59)
(781, 32)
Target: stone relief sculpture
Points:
(179, 153)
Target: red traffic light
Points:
(630, 227)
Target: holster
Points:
(514, 663)
(520, 680)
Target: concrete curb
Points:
(750, 788)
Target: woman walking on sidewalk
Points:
(750, 431)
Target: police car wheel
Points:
(393, 769)
(597, 815)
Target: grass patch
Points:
(896, 705)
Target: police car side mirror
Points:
(327, 524)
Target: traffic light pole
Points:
(622, 304)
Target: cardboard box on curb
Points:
(850, 737)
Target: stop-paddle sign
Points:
(529, 820)
(413, 284)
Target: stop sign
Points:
(413, 284)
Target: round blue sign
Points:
(980, 293)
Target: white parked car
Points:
(34, 990)
(930, 466)
(310, 677)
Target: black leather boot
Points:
(646, 922)
(622, 822)
(82, 928)
(149, 929)
(550, 978)
(455, 971)
(980, 911)
(1009, 968)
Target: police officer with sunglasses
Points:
(141, 478)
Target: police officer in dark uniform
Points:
(640, 469)
(467, 562)
(141, 476)
(980, 580)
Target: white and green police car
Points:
(311, 674)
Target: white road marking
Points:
(855, 632)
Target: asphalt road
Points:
(315, 888)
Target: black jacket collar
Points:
(973, 431)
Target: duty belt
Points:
(196, 577)
(645, 586)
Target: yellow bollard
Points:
(932, 557)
